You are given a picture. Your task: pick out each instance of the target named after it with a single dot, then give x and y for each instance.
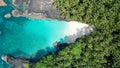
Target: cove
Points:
(23, 37)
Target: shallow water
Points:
(24, 37)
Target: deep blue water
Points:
(24, 37)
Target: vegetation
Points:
(101, 49)
(26, 65)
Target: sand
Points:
(77, 29)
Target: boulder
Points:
(7, 15)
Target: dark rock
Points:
(15, 63)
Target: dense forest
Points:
(101, 49)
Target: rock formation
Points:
(38, 9)
(2, 3)
(7, 16)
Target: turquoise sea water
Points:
(24, 37)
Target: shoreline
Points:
(75, 30)
(37, 9)
(27, 8)
(72, 34)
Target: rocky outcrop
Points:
(2, 3)
(14, 62)
(39, 9)
(7, 16)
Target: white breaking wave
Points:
(75, 30)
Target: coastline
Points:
(74, 31)
(43, 14)
(37, 9)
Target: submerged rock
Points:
(56, 43)
(7, 16)
(0, 32)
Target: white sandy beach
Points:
(77, 29)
